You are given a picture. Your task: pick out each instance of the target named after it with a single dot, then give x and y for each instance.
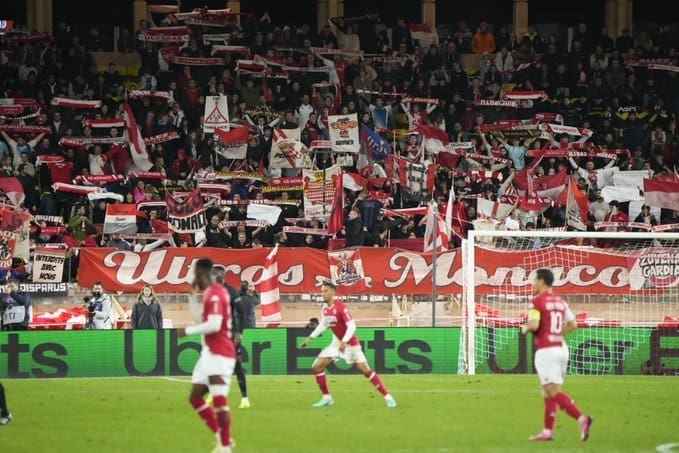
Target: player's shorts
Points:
(351, 354)
(551, 364)
(210, 364)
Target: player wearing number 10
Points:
(549, 319)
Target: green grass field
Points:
(435, 414)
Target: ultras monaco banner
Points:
(387, 271)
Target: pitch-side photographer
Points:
(249, 299)
(15, 307)
(100, 308)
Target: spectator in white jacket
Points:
(504, 60)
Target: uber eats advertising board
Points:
(45, 354)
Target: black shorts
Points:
(239, 351)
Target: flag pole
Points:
(434, 256)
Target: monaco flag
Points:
(435, 139)
(548, 186)
(140, 156)
(424, 34)
(662, 193)
(269, 292)
(232, 144)
(346, 271)
(121, 219)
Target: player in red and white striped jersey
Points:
(549, 320)
(345, 345)
(214, 368)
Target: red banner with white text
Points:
(387, 271)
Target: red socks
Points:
(567, 404)
(322, 382)
(223, 419)
(550, 413)
(377, 382)
(205, 412)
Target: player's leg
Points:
(242, 382)
(5, 416)
(219, 389)
(354, 354)
(548, 372)
(318, 369)
(565, 402)
(199, 389)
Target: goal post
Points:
(622, 286)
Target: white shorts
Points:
(551, 364)
(351, 354)
(210, 364)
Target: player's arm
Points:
(212, 325)
(320, 328)
(532, 322)
(351, 329)
(571, 324)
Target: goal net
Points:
(623, 288)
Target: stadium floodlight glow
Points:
(620, 283)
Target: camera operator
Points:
(249, 299)
(15, 307)
(99, 307)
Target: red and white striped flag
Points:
(268, 290)
(442, 235)
(662, 193)
(140, 156)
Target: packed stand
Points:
(506, 131)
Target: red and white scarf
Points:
(75, 104)
(190, 61)
(148, 175)
(161, 138)
(104, 123)
(347, 52)
(163, 38)
(73, 188)
(84, 141)
(23, 129)
(222, 49)
(664, 67)
(11, 110)
(26, 102)
(216, 37)
(526, 95)
(496, 103)
(570, 130)
(95, 180)
(178, 30)
(135, 94)
(162, 9)
(420, 100)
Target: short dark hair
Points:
(204, 265)
(329, 284)
(546, 275)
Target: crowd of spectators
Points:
(595, 81)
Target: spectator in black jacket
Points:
(353, 227)
(147, 313)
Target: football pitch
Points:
(436, 413)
